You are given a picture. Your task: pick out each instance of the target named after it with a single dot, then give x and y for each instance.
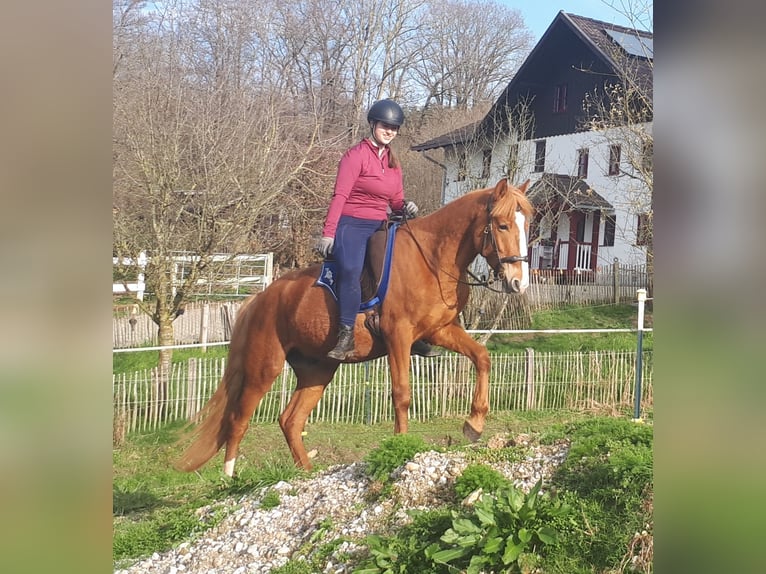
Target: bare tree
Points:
(622, 110)
(470, 50)
(197, 162)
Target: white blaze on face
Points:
(520, 223)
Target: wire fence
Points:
(361, 393)
(204, 322)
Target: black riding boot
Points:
(345, 346)
(422, 348)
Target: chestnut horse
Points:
(296, 321)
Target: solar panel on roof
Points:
(633, 44)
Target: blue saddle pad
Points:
(328, 272)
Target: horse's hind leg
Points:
(312, 381)
(259, 376)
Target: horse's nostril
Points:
(515, 285)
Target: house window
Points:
(560, 99)
(540, 156)
(610, 225)
(614, 159)
(582, 163)
(513, 161)
(643, 229)
(647, 155)
(486, 163)
(462, 165)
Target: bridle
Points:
(489, 235)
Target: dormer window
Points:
(540, 156)
(582, 163)
(614, 159)
(560, 99)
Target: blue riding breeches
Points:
(348, 251)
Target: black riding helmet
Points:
(386, 111)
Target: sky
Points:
(538, 14)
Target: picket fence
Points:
(361, 393)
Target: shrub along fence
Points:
(361, 393)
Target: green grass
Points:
(578, 317)
(140, 360)
(154, 505)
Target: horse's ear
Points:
(501, 187)
(523, 187)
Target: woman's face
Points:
(384, 133)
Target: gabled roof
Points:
(609, 40)
(606, 41)
(574, 192)
(454, 137)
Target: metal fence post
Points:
(639, 352)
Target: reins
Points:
(482, 281)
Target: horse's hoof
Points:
(470, 433)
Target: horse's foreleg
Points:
(312, 381)
(256, 385)
(455, 338)
(399, 363)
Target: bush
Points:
(479, 476)
(393, 453)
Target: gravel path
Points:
(335, 503)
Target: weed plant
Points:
(477, 476)
(393, 453)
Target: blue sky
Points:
(538, 14)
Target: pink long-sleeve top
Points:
(364, 187)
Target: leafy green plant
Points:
(393, 453)
(294, 567)
(404, 553)
(501, 530)
(479, 476)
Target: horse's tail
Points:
(213, 423)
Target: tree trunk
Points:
(167, 339)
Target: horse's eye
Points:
(503, 227)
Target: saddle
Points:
(375, 274)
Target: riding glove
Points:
(410, 209)
(324, 246)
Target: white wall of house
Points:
(628, 195)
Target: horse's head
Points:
(505, 235)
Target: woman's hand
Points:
(324, 246)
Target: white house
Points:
(591, 187)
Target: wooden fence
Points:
(211, 322)
(361, 393)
